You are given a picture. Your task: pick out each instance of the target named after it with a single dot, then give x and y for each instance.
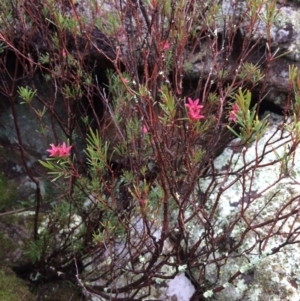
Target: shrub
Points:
(149, 140)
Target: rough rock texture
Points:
(273, 185)
(269, 188)
(263, 181)
(163, 289)
(181, 287)
(284, 35)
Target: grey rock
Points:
(262, 191)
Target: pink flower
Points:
(125, 80)
(165, 45)
(232, 114)
(195, 115)
(64, 150)
(144, 129)
(194, 109)
(193, 104)
(59, 151)
(54, 150)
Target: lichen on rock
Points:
(259, 183)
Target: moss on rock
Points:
(7, 193)
(12, 288)
(7, 246)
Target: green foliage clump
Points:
(148, 141)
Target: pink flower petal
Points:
(235, 108)
(54, 151)
(64, 150)
(232, 116)
(165, 45)
(193, 104)
(145, 130)
(59, 151)
(194, 109)
(195, 116)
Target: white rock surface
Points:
(264, 182)
(181, 287)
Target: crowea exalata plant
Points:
(112, 80)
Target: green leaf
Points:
(47, 165)
(26, 94)
(233, 131)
